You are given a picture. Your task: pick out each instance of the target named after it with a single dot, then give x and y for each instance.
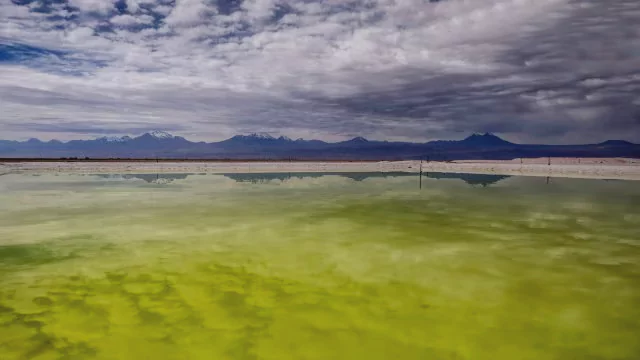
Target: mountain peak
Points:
(481, 135)
(257, 136)
(358, 139)
(114, 139)
(262, 136)
(158, 134)
(486, 139)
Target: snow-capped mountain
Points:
(259, 136)
(114, 139)
(263, 136)
(158, 134)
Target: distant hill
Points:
(485, 140)
(160, 144)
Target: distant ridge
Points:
(616, 143)
(161, 144)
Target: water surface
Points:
(314, 266)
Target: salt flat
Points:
(605, 168)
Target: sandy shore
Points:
(612, 168)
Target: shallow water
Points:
(306, 266)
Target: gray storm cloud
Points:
(534, 71)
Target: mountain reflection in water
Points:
(258, 178)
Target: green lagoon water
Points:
(346, 266)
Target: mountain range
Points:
(160, 144)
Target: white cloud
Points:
(79, 35)
(259, 10)
(130, 20)
(99, 6)
(189, 13)
(133, 6)
(162, 9)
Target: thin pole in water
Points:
(420, 179)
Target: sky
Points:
(532, 71)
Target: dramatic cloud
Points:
(531, 70)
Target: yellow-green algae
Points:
(318, 268)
